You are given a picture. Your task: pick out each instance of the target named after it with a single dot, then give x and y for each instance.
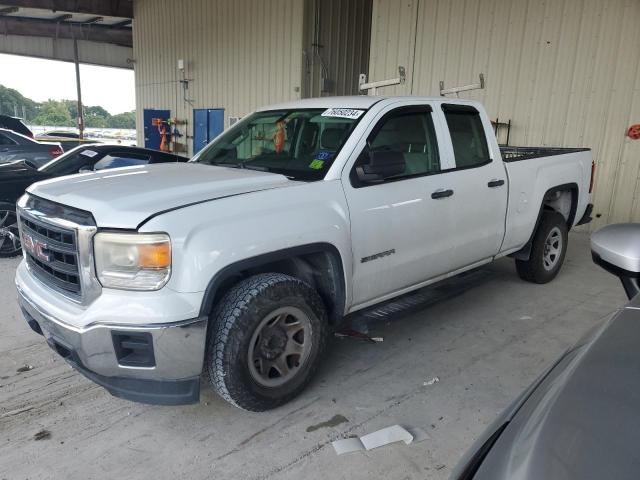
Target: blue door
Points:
(151, 134)
(208, 123)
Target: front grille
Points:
(58, 264)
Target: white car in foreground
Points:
(240, 262)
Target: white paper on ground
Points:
(376, 439)
(347, 445)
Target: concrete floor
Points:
(489, 335)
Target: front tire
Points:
(9, 234)
(267, 338)
(548, 250)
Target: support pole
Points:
(80, 118)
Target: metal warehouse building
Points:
(554, 73)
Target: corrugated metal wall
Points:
(566, 72)
(341, 30)
(238, 54)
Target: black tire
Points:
(538, 269)
(235, 321)
(9, 235)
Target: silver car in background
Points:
(15, 147)
(581, 419)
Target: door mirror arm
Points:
(375, 167)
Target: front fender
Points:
(207, 238)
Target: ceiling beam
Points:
(51, 29)
(107, 8)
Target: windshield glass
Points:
(71, 161)
(301, 144)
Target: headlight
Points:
(133, 261)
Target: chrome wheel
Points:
(280, 346)
(552, 249)
(9, 234)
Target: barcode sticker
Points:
(343, 113)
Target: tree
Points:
(123, 120)
(12, 102)
(54, 113)
(62, 113)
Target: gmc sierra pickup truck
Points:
(240, 262)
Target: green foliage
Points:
(124, 120)
(62, 113)
(12, 102)
(55, 113)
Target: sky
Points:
(39, 79)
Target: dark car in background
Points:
(66, 138)
(15, 124)
(15, 177)
(580, 420)
(15, 146)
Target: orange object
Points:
(634, 132)
(279, 137)
(164, 143)
(155, 255)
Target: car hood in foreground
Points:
(582, 421)
(126, 197)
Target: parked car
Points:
(241, 261)
(15, 124)
(580, 419)
(15, 147)
(17, 176)
(66, 138)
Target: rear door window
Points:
(467, 136)
(122, 159)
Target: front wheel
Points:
(266, 341)
(9, 234)
(548, 250)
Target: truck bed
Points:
(515, 154)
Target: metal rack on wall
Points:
(497, 126)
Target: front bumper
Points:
(157, 363)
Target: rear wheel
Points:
(9, 234)
(268, 335)
(548, 250)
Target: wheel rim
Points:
(280, 346)
(9, 234)
(552, 249)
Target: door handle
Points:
(441, 194)
(495, 183)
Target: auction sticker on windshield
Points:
(89, 153)
(342, 113)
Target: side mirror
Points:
(380, 165)
(616, 248)
(85, 170)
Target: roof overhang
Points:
(49, 28)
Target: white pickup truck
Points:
(241, 262)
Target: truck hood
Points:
(126, 197)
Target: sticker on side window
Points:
(89, 153)
(343, 113)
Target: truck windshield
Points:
(301, 144)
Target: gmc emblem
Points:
(35, 247)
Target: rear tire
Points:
(9, 234)
(548, 250)
(267, 338)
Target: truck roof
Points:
(354, 101)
